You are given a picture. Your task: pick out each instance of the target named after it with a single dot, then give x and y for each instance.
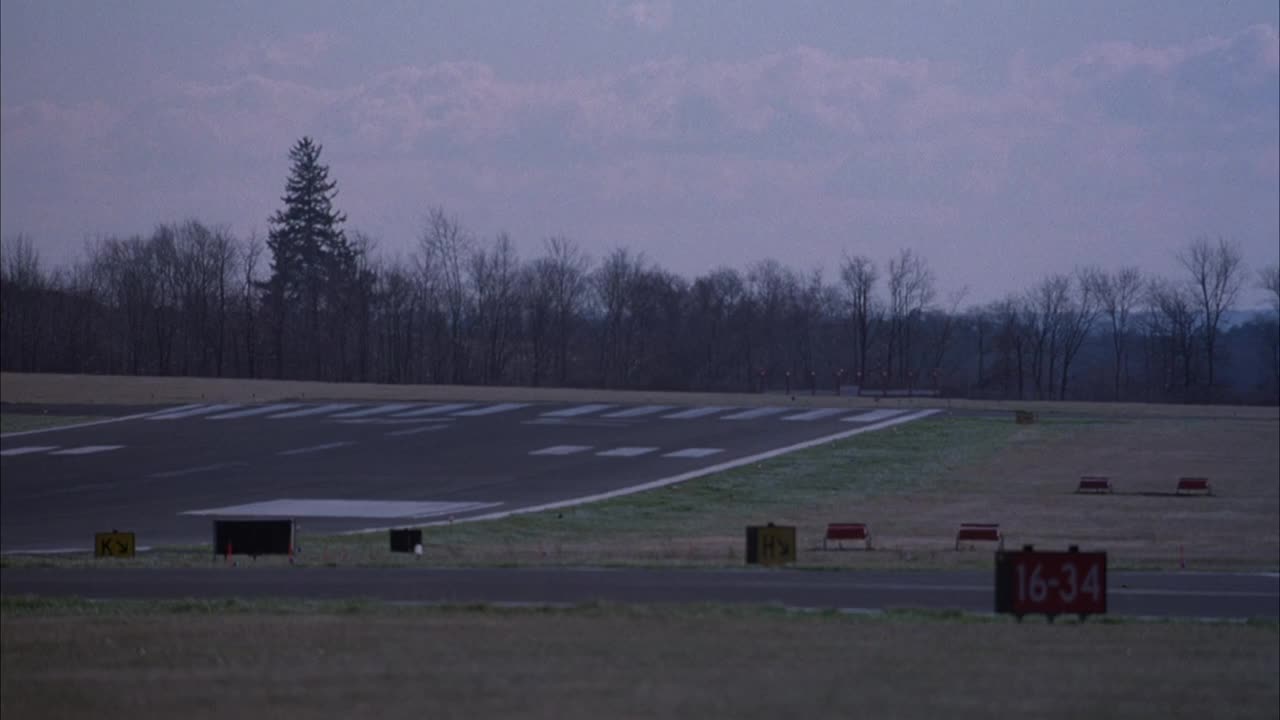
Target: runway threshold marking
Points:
(578, 410)
(433, 410)
(313, 410)
(250, 412)
(638, 411)
(375, 410)
(189, 412)
(317, 448)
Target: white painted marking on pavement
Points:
(87, 450)
(699, 472)
(561, 450)
(287, 507)
(694, 452)
(28, 450)
(433, 410)
(576, 411)
(313, 410)
(874, 416)
(198, 469)
(755, 413)
(375, 410)
(316, 448)
(627, 452)
(815, 414)
(415, 431)
(697, 412)
(193, 412)
(250, 412)
(490, 410)
(638, 411)
(135, 416)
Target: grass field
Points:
(197, 661)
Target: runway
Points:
(1188, 595)
(350, 465)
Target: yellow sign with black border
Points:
(114, 544)
(771, 544)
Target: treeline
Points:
(312, 303)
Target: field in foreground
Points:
(374, 661)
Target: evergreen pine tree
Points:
(311, 260)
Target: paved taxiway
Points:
(348, 465)
(1200, 595)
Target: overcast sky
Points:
(1002, 140)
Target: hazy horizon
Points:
(1001, 141)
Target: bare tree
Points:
(1118, 293)
(493, 275)
(911, 292)
(1173, 324)
(1269, 280)
(858, 275)
(1217, 274)
(1078, 317)
(444, 247)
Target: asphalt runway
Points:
(345, 466)
(1194, 595)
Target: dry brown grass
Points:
(130, 390)
(624, 662)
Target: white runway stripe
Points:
(815, 414)
(561, 450)
(317, 448)
(313, 410)
(874, 416)
(194, 411)
(250, 412)
(375, 410)
(491, 410)
(28, 450)
(417, 430)
(579, 410)
(693, 453)
(697, 412)
(87, 450)
(433, 410)
(627, 452)
(638, 411)
(755, 413)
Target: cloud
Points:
(301, 51)
(651, 15)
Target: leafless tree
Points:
(911, 292)
(493, 274)
(1217, 274)
(443, 248)
(1118, 294)
(1078, 317)
(858, 276)
(1173, 323)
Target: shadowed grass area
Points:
(18, 422)
(196, 660)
